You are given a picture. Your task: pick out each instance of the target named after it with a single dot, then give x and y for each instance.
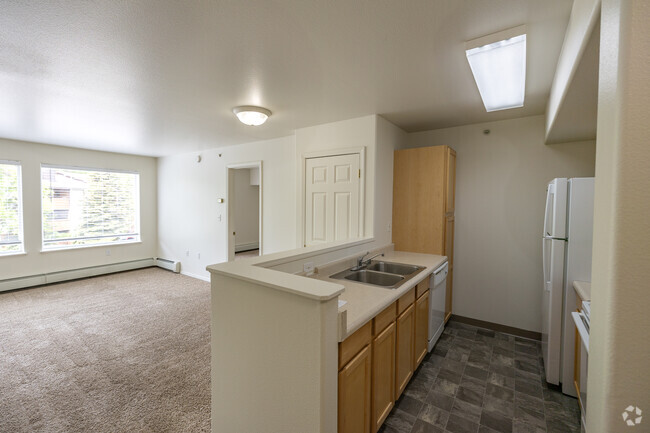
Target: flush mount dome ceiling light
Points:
(498, 62)
(251, 115)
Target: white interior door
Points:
(332, 204)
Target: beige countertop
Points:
(583, 289)
(363, 302)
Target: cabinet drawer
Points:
(406, 300)
(385, 318)
(354, 343)
(422, 287)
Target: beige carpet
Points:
(127, 352)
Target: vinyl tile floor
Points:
(480, 381)
(247, 254)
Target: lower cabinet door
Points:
(404, 353)
(383, 376)
(576, 366)
(354, 394)
(421, 328)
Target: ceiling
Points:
(161, 77)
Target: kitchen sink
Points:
(374, 278)
(393, 268)
(379, 273)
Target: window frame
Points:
(138, 234)
(21, 215)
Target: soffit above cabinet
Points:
(573, 106)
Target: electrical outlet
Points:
(308, 267)
(108, 252)
(390, 227)
(187, 253)
(198, 256)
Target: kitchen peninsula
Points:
(275, 334)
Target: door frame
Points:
(230, 208)
(361, 151)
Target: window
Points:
(11, 209)
(87, 207)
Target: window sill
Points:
(21, 253)
(79, 247)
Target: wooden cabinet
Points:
(450, 181)
(576, 365)
(377, 361)
(383, 375)
(424, 203)
(354, 394)
(354, 343)
(421, 328)
(580, 365)
(404, 350)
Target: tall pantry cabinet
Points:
(424, 191)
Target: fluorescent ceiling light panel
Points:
(498, 62)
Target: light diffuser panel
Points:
(499, 69)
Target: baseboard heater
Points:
(170, 265)
(74, 274)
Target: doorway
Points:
(244, 210)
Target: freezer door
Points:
(552, 297)
(555, 213)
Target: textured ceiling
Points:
(161, 77)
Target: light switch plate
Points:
(308, 267)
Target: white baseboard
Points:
(198, 277)
(247, 247)
(73, 274)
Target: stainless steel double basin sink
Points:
(379, 273)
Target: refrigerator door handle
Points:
(552, 238)
(545, 263)
(548, 214)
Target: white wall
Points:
(619, 348)
(380, 138)
(189, 212)
(500, 192)
(32, 155)
(347, 134)
(247, 209)
(389, 138)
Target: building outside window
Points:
(87, 207)
(11, 208)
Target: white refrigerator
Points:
(567, 242)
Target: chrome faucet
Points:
(361, 263)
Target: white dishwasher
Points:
(437, 297)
